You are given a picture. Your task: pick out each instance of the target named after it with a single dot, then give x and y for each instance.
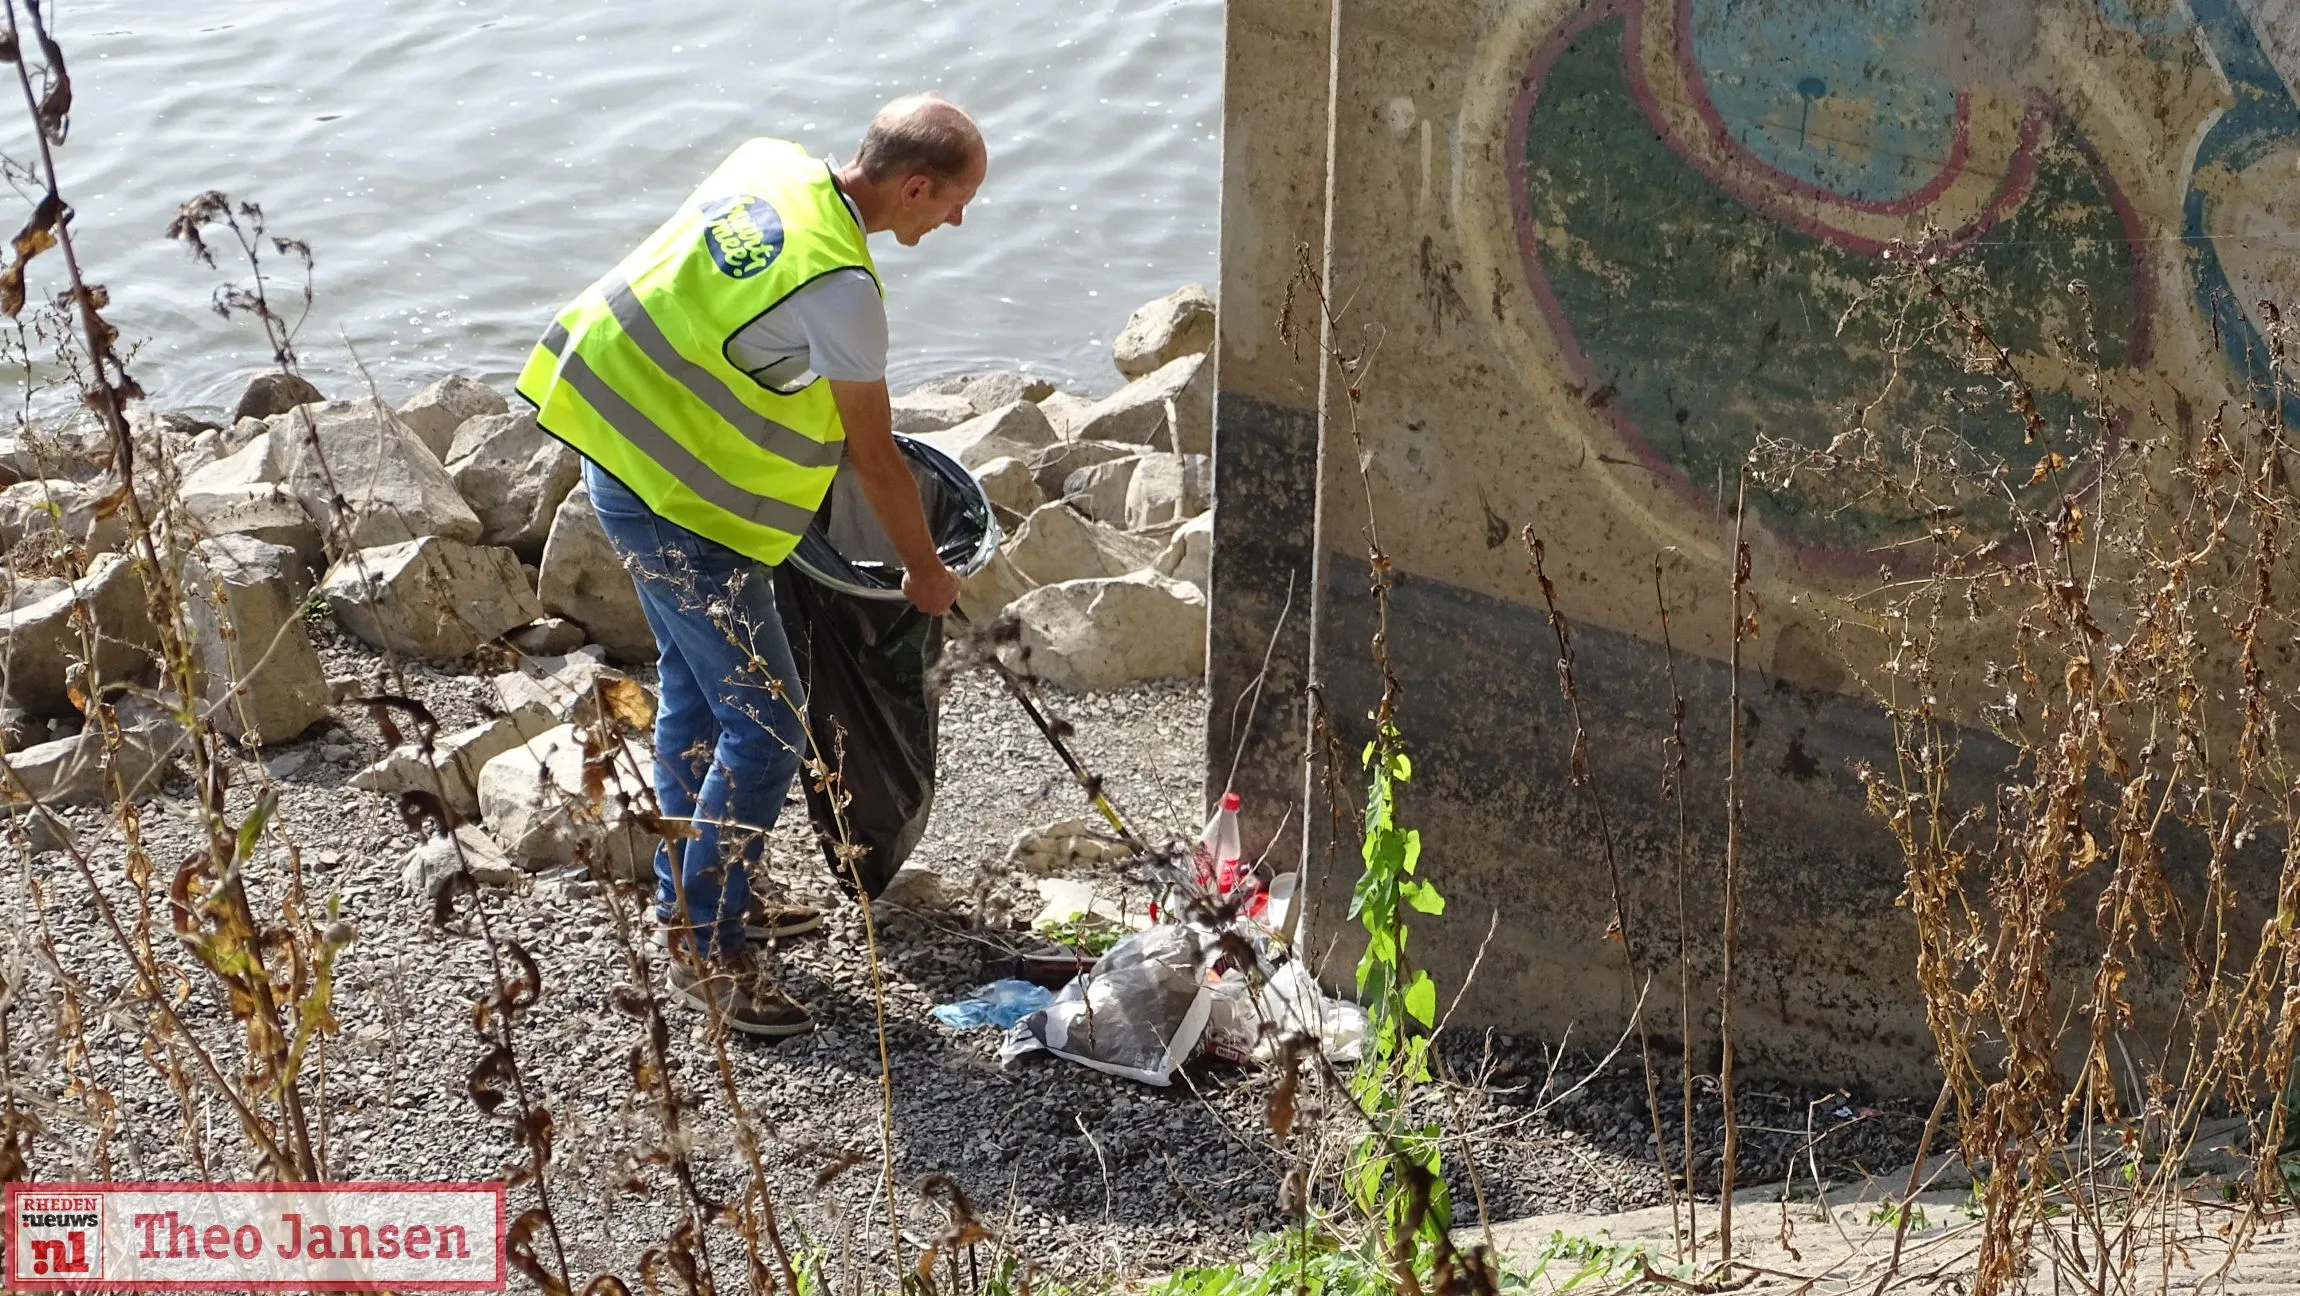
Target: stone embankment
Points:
(452, 529)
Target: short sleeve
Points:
(844, 320)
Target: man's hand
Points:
(932, 591)
(878, 463)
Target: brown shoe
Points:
(776, 920)
(728, 986)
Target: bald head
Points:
(922, 135)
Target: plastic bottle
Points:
(1218, 866)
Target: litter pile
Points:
(1209, 967)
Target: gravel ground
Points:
(1085, 1173)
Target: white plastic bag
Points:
(1138, 1014)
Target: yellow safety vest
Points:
(634, 373)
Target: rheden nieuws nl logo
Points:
(58, 1235)
(254, 1237)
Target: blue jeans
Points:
(727, 741)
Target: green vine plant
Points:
(1399, 998)
(1393, 1177)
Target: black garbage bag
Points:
(867, 658)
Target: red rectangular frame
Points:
(15, 1283)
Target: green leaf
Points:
(252, 827)
(1410, 855)
(1421, 999)
(1423, 897)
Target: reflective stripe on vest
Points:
(658, 445)
(634, 373)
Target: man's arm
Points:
(886, 481)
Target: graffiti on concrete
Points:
(1708, 192)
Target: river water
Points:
(462, 167)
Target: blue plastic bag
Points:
(1000, 1004)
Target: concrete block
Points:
(260, 675)
(514, 475)
(431, 598)
(534, 802)
(1091, 635)
(456, 759)
(391, 482)
(435, 413)
(275, 393)
(1015, 430)
(584, 580)
(1057, 545)
(1179, 324)
(42, 652)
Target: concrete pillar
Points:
(1590, 252)
(1276, 68)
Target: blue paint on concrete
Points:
(2155, 19)
(2262, 119)
(1791, 78)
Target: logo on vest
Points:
(744, 234)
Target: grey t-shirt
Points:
(834, 327)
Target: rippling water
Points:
(461, 167)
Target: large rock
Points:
(435, 413)
(198, 453)
(25, 591)
(1053, 467)
(90, 515)
(1179, 324)
(986, 593)
(391, 481)
(1067, 411)
(988, 391)
(1016, 430)
(514, 475)
(78, 448)
(170, 445)
(923, 412)
(1102, 634)
(242, 434)
(567, 689)
(1189, 555)
(584, 580)
(249, 465)
(1057, 545)
(42, 652)
(275, 393)
(88, 769)
(456, 759)
(1010, 485)
(431, 598)
(550, 637)
(1099, 490)
(534, 802)
(1168, 489)
(263, 512)
(1170, 408)
(257, 667)
(1003, 387)
(468, 847)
